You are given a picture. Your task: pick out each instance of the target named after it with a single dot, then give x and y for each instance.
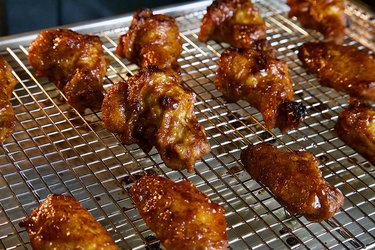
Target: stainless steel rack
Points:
(54, 149)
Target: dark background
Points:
(18, 16)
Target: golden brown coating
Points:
(151, 40)
(343, 68)
(356, 127)
(61, 222)
(151, 108)
(181, 216)
(295, 180)
(74, 62)
(7, 84)
(236, 22)
(325, 16)
(255, 75)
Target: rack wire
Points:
(54, 149)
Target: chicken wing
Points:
(153, 109)
(255, 75)
(236, 22)
(356, 127)
(180, 215)
(74, 62)
(343, 68)
(295, 180)
(61, 222)
(7, 84)
(325, 16)
(151, 40)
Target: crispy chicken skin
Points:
(151, 40)
(343, 68)
(295, 180)
(236, 22)
(325, 16)
(356, 127)
(151, 108)
(255, 75)
(74, 62)
(7, 84)
(61, 222)
(181, 216)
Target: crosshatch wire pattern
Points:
(57, 150)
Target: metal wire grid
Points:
(56, 150)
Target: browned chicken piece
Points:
(181, 216)
(344, 68)
(295, 180)
(236, 22)
(7, 84)
(325, 16)
(151, 109)
(74, 62)
(61, 222)
(151, 40)
(356, 127)
(255, 75)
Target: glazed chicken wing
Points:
(151, 40)
(324, 16)
(295, 180)
(61, 222)
(153, 109)
(180, 215)
(356, 127)
(236, 22)
(255, 75)
(7, 84)
(74, 62)
(343, 68)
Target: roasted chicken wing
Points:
(343, 68)
(7, 84)
(61, 222)
(295, 180)
(180, 215)
(255, 75)
(356, 127)
(153, 109)
(324, 16)
(74, 62)
(236, 22)
(151, 40)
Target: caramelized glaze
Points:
(255, 75)
(343, 68)
(356, 127)
(151, 108)
(151, 40)
(181, 216)
(74, 62)
(7, 84)
(236, 22)
(61, 222)
(295, 180)
(325, 16)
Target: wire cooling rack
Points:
(54, 149)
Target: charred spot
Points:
(152, 68)
(168, 102)
(290, 115)
(130, 179)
